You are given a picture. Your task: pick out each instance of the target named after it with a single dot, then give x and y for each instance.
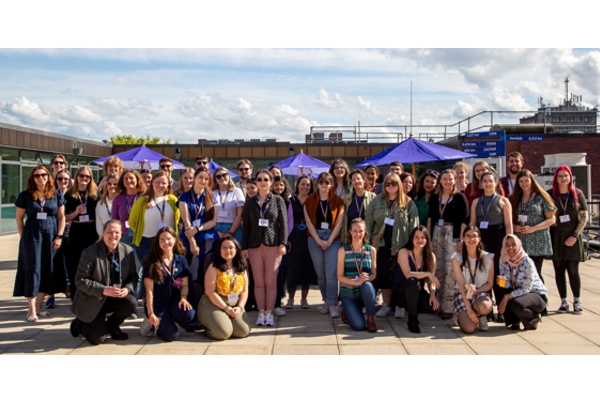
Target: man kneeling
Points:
(106, 279)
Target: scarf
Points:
(518, 258)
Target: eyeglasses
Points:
(44, 175)
(388, 184)
(86, 177)
(339, 168)
(244, 169)
(471, 236)
(262, 179)
(221, 176)
(112, 184)
(232, 248)
(201, 162)
(58, 163)
(166, 166)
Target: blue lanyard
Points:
(127, 206)
(199, 202)
(445, 205)
(162, 212)
(485, 213)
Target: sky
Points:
(265, 91)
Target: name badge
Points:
(301, 227)
(389, 221)
(196, 223)
(232, 299)
(223, 214)
(522, 218)
(357, 278)
(84, 208)
(440, 222)
(127, 225)
(177, 282)
(84, 218)
(162, 225)
(130, 233)
(484, 224)
(324, 225)
(43, 215)
(263, 222)
(563, 218)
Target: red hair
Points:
(555, 189)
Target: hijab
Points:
(518, 258)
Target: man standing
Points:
(166, 164)
(244, 168)
(106, 279)
(514, 165)
(394, 168)
(201, 161)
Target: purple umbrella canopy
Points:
(212, 167)
(302, 164)
(412, 151)
(140, 158)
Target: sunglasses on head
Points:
(434, 173)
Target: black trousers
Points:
(492, 241)
(410, 297)
(95, 332)
(525, 309)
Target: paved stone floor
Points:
(307, 331)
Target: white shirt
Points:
(152, 217)
(226, 204)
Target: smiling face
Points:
(515, 165)
(339, 171)
(563, 178)
(166, 242)
(263, 181)
(488, 183)
(113, 169)
(228, 250)
(391, 186)
(358, 231)
(201, 181)
(461, 174)
(112, 234)
(62, 180)
(472, 238)
(245, 171)
(57, 164)
(407, 184)
(525, 183)
(371, 174)
(112, 185)
(510, 246)
(304, 186)
(419, 240)
(187, 180)
(278, 188)
(83, 179)
(40, 177)
(480, 169)
(222, 177)
(429, 184)
(251, 190)
(147, 177)
(129, 180)
(357, 181)
(160, 185)
(447, 181)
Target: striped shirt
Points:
(354, 264)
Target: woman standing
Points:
(199, 216)
(151, 212)
(301, 271)
(264, 224)
(523, 293)
(566, 236)
(166, 282)
(80, 210)
(492, 214)
(448, 217)
(113, 165)
(104, 206)
(416, 267)
(229, 202)
(372, 173)
(186, 181)
(474, 275)
(221, 308)
(282, 188)
(146, 175)
(60, 284)
(474, 190)
(59, 162)
(41, 235)
(425, 188)
(324, 215)
(462, 175)
(409, 184)
(131, 187)
(356, 270)
(339, 170)
(356, 203)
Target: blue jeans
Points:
(325, 263)
(353, 307)
(167, 330)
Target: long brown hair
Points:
(478, 251)
(91, 190)
(517, 194)
(140, 186)
(31, 187)
(105, 191)
(150, 191)
(209, 202)
(428, 258)
(439, 189)
(402, 199)
(180, 188)
(153, 261)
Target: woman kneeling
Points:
(355, 272)
(474, 279)
(221, 309)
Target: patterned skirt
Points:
(459, 302)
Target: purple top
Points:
(290, 219)
(121, 207)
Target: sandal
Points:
(44, 314)
(32, 318)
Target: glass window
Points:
(28, 156)
(9, 154)
(10, 183)
(9, 222)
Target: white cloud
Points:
(135, 108)
(325, 101)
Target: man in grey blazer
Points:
(106, 278)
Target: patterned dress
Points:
(537, 243)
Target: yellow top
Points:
(226, 284)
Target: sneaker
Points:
(454, 320)
(133, 316)
(280, 312)
(564, 307)
(400, 313)
(577, 308)
(261, 319)
(304, 304)
(194, 326)
(50, 303)
(483, 325)
(290, 304)
(383, 311)
(333, 311)
(146, 329)
(270, 320)
(324, 309)
(378, 299)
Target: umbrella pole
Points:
(413, 168)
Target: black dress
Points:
(34, 264)
(300, 269)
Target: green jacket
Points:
(369, 196)
(405, 220)
(136, 217)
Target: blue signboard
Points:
(485, 135)
(525, 138)
(494, 146)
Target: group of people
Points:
(204, 250)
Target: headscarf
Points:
(518, 258)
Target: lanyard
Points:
(565, 204)
(362, 204)
(222, 198)
(525, 205)
(485, 213)
(162, 212)
(326, 209)
(263, 208)
(83, 202)
(473, 274)
(392, 208)
(359, 267)
(199, 202)
(168, 269)
(232, 282)
(108, 209)
(114, 261)
(442, 209)
(513, 277)
(127, 206)
(42, 202)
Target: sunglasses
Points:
(58, 163)
(221, 176)
(62, 179)
(323, 183)
(112, 184)
(244, 169)
(262, 179)
(40, 175)
(165, 166)
(339, 168)
(201, 162)
(86, 177)
(388, 184)
(432, 172)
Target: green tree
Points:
(130, 139)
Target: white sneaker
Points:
(483, 325)
(146, 329)
(261, 319)
(290, 304)
(383, 311)
(304, 304)
(324, 309)
(270, 320)
(378, 299)
(454, 320)
(400, 313)
(280, 312)
(333, 311)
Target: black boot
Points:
(413, 325)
